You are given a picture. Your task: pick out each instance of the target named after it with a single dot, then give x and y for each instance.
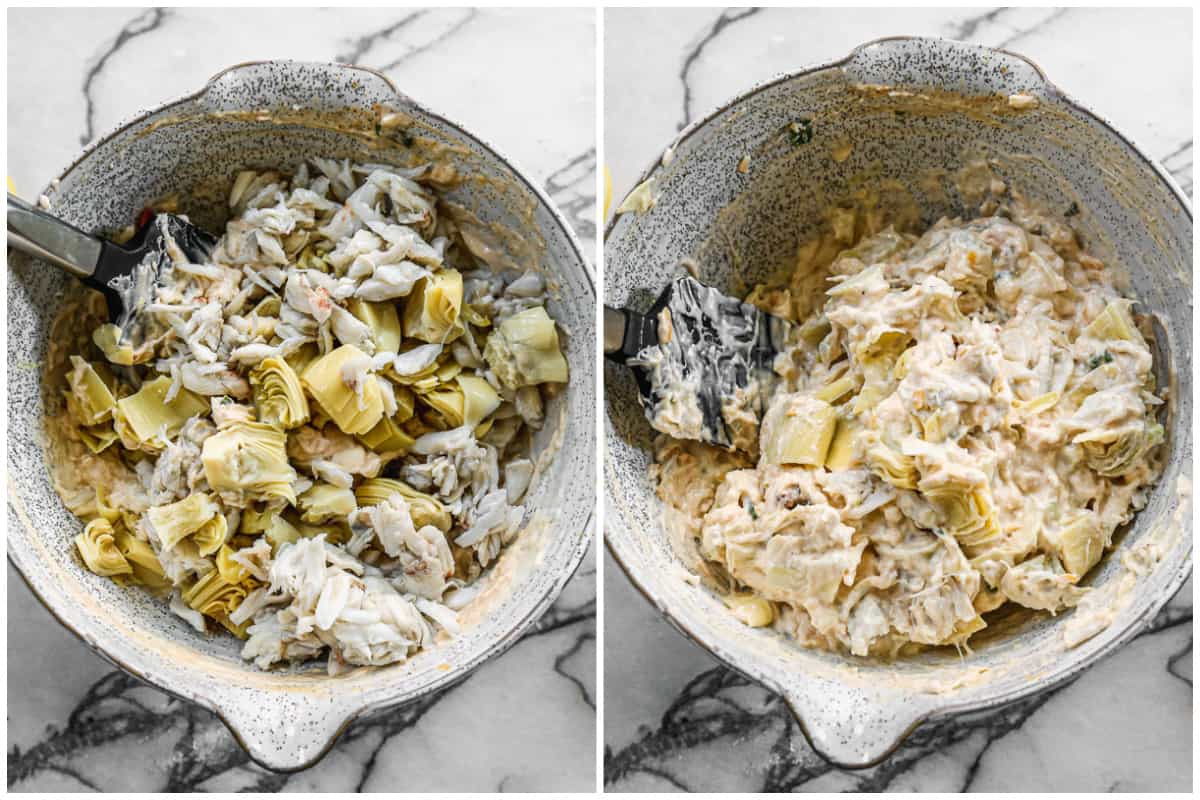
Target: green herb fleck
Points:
(407, 138)
(1072, 210)
(1103, 358)
(801, 132)
(750, 508)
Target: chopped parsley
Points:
(1103, 358)
(801, 132)
(751, 511)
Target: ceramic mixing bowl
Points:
(912, 113)
(276, 114)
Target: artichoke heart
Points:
(108, 338)
(382, 319)
(752, 610)
(888, 347)
(1113, 453)
(888, 463)
(268, 307)
(279, 532)
(406, 403)
(841, 453)
(97, 438)
(965, 630)
(91, 397)
(142, 560)
(97, 546)
(432, 311)
(214, 597)
(479, 398)
(345, 390)
(447, 401)
(388, 436)
(432, 378)
(301, 357)
(836, 390)
(1078, 542)
(425, 509)
(798, 430)
(474, 315)
(324, 502)
(104, 508)
(278, 396)
(255, 520)
(966, 513)
(1114, 322)
(212, 535)
(524, 350)
(229, 570)
(867, 281)
(197, 515)
(250, 459)
(153, 420)
(1036, 405)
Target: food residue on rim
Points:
(1022, 101)
(640, 200)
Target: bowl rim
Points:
(1133, 627)
(496, 648)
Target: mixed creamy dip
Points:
(319, 438)
(969, 416)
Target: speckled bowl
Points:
(740, 228)
(275, 114)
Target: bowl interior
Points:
(274, 116)
(912, 114)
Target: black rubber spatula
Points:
(99, 263)
(718, 343)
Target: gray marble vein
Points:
(572, 187)
(527, 718)
(1179, 163)
(678, 720)
(363, 44)
(725, 19)
(142, 24)
(414, 33)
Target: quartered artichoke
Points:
(278, 395)
(524, 350)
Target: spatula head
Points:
(710, 374)
(126, 273)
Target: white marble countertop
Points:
(523, 722)
(674, 717)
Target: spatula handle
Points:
(627, 333)
(49, 239)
